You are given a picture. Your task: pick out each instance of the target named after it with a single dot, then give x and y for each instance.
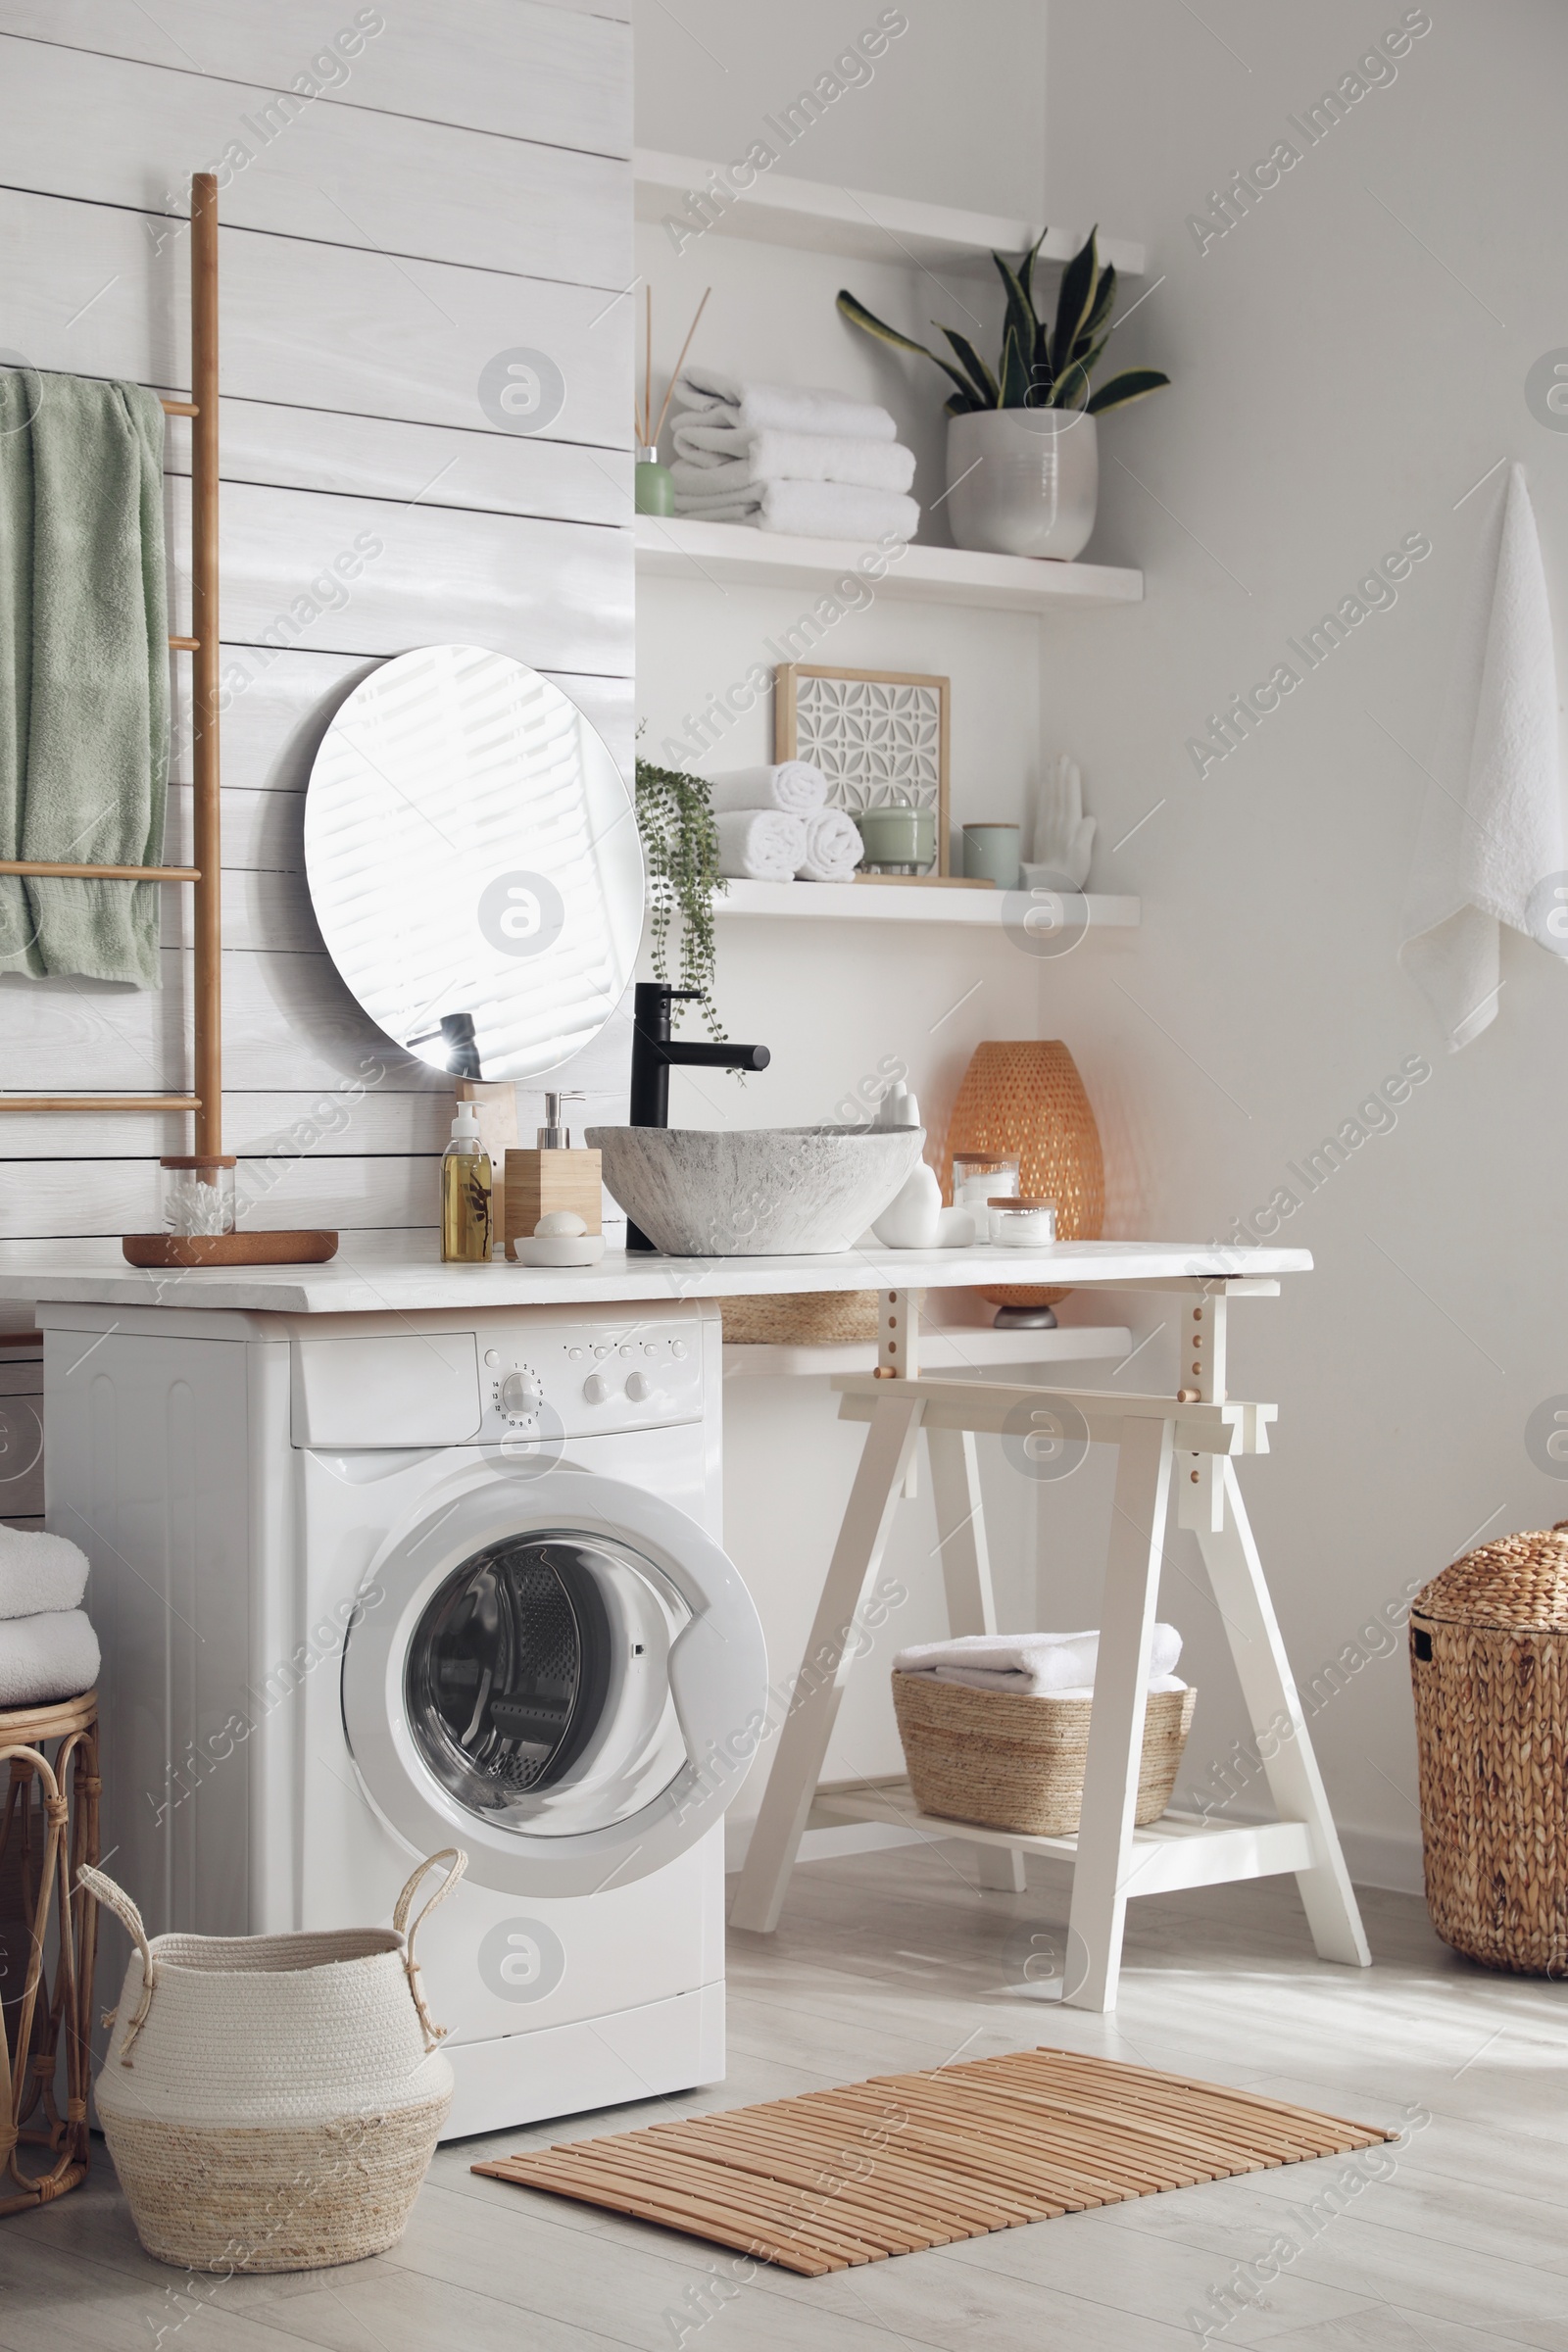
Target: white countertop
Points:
(345, 1287)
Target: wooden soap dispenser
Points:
(552, 1176)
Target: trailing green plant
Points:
(680, 843)
(1041, 367)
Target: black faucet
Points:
(653, 1050)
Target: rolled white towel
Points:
(811, 511)
(993, 1682)
(789, 408)
(39, 1572)
(1038, 1662)
(711, 457)
(833, 848)
(791, 784)
(760, 845)
(52, 1655)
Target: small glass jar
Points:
(1022, 1224)
(198, 1195)
(977, 1175)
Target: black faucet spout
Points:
(654, 1051)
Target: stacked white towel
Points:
(785, 458)
(772, 825)
(1034, 1665)
(48, 1650)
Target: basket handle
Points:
(103, 1889)
(458, 1861)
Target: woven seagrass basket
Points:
(273, 2102)
(800, 1319)
(1012, 1762)
(1489, 1659)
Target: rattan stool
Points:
(1489, 1658)
(48, 1829)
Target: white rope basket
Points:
(273, 2102)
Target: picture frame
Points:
(879, 736)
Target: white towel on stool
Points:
(787, 407)
(833, 848)
(793, 784)
(760, 845)
(1156, 1682)
(711, 455)
(53, 1655)
(39, 1572)
(1030, 1663)
(1491, 835)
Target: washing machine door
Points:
(565, 1676)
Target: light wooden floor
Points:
(893, 1961)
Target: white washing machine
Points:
(369, 1585)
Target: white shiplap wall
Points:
(462, 187)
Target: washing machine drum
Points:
(565, 1676)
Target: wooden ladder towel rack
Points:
(205, 875)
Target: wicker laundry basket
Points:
(1007, 1762)
(1489, 1658)
(273, 2102)
(799, 1319)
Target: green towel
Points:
(83, 670)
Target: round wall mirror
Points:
(473, 862)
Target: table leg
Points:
(966, 1578)
(1279, 1725)
(890, 1441)
(1103, 1867)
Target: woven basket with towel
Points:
(996, 1728)
(273, 2102)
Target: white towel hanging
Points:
(1492, 836)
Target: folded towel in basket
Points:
(39, 1572)
(791, 784)
(1034, 1664)
(833, 846)
(786, 408)
(53, 1655)
(760, 845)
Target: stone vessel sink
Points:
(754, 1192)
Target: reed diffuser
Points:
(654, 485)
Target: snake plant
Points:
(1041, 367)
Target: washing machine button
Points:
(521, 1396)
(639, 1387)
(625, 1349)
(678, 1348)
(601, 1351)
(595, 1388)
(492, 1357)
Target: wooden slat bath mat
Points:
(906, 2162)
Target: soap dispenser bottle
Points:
(465, 1176)
(550, 1177)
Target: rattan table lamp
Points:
(1024, 1094)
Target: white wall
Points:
(461, 188)
(1348, 360)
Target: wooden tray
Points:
(280, 1249)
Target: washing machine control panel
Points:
(583, 1379)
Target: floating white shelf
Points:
(912, 902)
(944, 1347)
(673, 547)
(1180, 1850)
(779, 211)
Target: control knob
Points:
(521, 1396)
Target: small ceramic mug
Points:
(899, 839)
(990, 854)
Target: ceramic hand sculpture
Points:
(1063, 836)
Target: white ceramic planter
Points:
(1022, 481)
